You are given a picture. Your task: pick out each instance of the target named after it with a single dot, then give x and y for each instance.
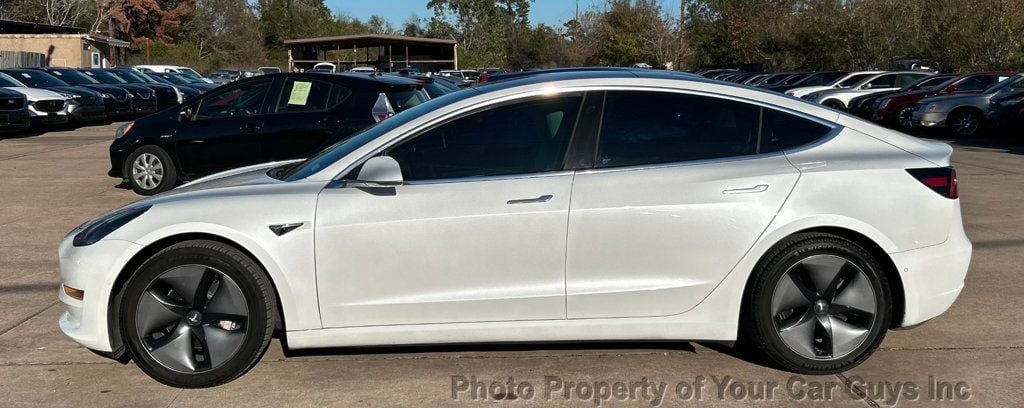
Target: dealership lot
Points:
(51, 182)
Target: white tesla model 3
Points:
(561, 206)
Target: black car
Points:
(187, 92)
(166, 95)
(254, 120)
(433, 87)
(183, 81)
(84, 104)
(143, 98)
(13, 111)
(116, 100)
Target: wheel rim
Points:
(905, 118)
(147, 171)
(192, 318)
(823, 307)
(965, 123)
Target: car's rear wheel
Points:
(149, 170)
(820, 304)
(964, 122)
(197, 314)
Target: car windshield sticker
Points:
(300, 93)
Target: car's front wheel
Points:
(197, 314)
(965, 122)
(905, 117)
(149, 170)
(820, 304)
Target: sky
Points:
(550, 12)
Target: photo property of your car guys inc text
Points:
(513, 202)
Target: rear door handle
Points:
(542, 199)
(760, 188)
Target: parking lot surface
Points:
(50, 183)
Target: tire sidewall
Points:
(258, 302)
(776, 268)
(170, 170)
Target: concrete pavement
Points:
(52, 182)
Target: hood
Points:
(240, 177)
(804, 90)
(36, 94)
(104, 88)
(138, 88)
(76, 90)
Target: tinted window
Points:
(975, 83)
(304, 95)
(656, 127)
(524, 137)
(405, 98)
(781, 131)
(903, 80)
(241, 100)
(931, 83)
(823, 78)
(884, 81)
(104, 77)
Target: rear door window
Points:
(308, 95)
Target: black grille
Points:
(48, 106)
(12, 103)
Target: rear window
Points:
(405, 98)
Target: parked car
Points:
(171, 69)
(14, 114)
(811, 79)
(864, 106)
(166, 95)
(254, 120)
(453, 81)
(471, 75)
(188, 80)
(270, 70)
(559, 207)
(889, 81)
(966, 115)
(50, 99)
(144, 98)
(117, 101)
(186, 90)
(775, 79)
(225, 76)
(364, 69)
(844, 82)
(325, 67)
(897, 109)
(434, 87)
(711, 73)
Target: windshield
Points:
(1003, 84)
(105, 77)
(129, 77)
(6, 81)
(189, 71)
(344, 147)
(174, 79)
(929, 83)
(794, 79)
(854, 79)
(73, 77)
(36, 79)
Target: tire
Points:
(184, 336)
(834, 104)
(787, 321)
(965, 122)
(150, 170)
(904, 119)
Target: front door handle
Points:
(760, 188)
(542, 199)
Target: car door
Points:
(475, 234)
(682, 187)
(303, 118)
(224, 131)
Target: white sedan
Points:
(596, 205)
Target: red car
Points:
(897, 108)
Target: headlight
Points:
(107, 96)
(93, 231)
(123, 130)
(71, 96)
(932, 107)
(885, 102)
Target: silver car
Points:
(965, 115)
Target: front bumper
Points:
(144, 106)
(933, 276)
(85, 113)
(930, 119)
(93, 269)
(14, 120)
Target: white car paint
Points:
(37, 94)
(800, 92)
(650, 252)
(844, 95)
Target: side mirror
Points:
(380, 171)
(185, 115)
(866, 86)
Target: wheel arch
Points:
(889, 267)
(113, 302)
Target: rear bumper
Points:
(933, 276)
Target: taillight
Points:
(941, 180)
(382, 108)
